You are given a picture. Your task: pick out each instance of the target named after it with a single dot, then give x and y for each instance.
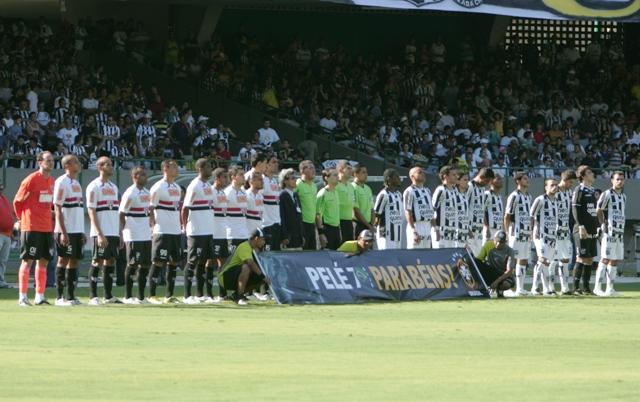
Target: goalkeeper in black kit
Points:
(585, 229)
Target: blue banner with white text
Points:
(330, 277)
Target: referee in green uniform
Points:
(307, 190)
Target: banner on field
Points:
(621, 10)
(319, 277)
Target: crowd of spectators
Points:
(432, 102)
(51, 101)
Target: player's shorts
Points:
(424, 230)
(138, 252)
(545, 248)
(106, 253)
(36, 245)
(166, 248)
(220, 248)
(586, 248)
(229, 280)
(522, 248)
(612, 249)
(73, 249)
(384, 244)
(199, 249)
(564, 249)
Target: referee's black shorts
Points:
(199, 249)
(73, 249)
(36, 245)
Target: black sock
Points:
(577, 273)
(189, 272)
(208, 274)
(70, 277)
(153, 280)
(93, 281)
(60, 281)
(171, 280)
(199, 280)
(586, 277)
(107, 280)
(128, 280)
(142, 281)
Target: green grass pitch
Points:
(533, 349)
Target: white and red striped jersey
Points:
(165, 198)
(68, 195)
(135, 207)
(199, 201)
(236, 209)
(103, 197)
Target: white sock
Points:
(534, 278)
(563, 276)
(551, 287)
(612, 272)
(520, 271)
(22, 296)
(544, 275)
(601, 268)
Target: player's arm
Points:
(58, 190)
(92, 204)
(509, 211)
(378, 209)
(407, 199)
(603, 202)
(319, 222)
(153, 202)
(436, 201)
(535, 217)
(188, 202)
(24, 191)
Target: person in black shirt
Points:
(583, 207)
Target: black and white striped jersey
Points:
(563, 202)
(464, 220)
(388, 207)
(417, 200)
(493, 210)
(544, 212)
(475, 199)
(446, 211)
(33, 153)
(146, 136)
(519, 208)
(77, 150)
(60, 114)
(101, 121)
(613, 205)
(111, 134)
(25, 117)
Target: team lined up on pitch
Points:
(225, 225)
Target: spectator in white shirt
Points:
(43, 117)
(269, 138)
(327, 122)
(90, 103)
(68, 134)
(247, 153)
